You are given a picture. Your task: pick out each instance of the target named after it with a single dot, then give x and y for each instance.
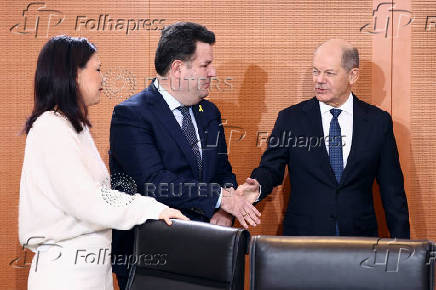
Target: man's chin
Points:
(322, 97)
(204, 94)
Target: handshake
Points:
(239, 203)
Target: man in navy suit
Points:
(171, 141)
(335, 146)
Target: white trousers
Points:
(82, 263)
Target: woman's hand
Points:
(170, 213)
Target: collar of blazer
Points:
(203, 116)
(360, 134)
(201, 110)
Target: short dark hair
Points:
(178, 41)
(55, 86)
(350, 58)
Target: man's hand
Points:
(222, 218)
(250, 189)
(239, 205)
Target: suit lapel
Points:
(360, 133)
(162, 112)
(314, 129)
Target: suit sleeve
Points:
(133, 146)
(390, 180)
(270, 172)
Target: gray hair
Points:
(350, 58)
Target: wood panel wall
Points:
(263, 58)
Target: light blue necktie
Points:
(335, 149)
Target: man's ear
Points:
(176, 67)
(353, 76)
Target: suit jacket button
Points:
(333, 216)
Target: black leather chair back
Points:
(340, 263)
(188, 255)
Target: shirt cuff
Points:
(218, 203)
(260, 192)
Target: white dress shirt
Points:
(345, 120)
(173, 104)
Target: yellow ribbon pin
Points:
(200, 108)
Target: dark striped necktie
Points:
(189, 132)
(335, 145)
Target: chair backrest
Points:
(188, 255)
(340, 263)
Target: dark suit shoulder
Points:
(300, 107)
(373, 111)
(208, 106)
(137, 100)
